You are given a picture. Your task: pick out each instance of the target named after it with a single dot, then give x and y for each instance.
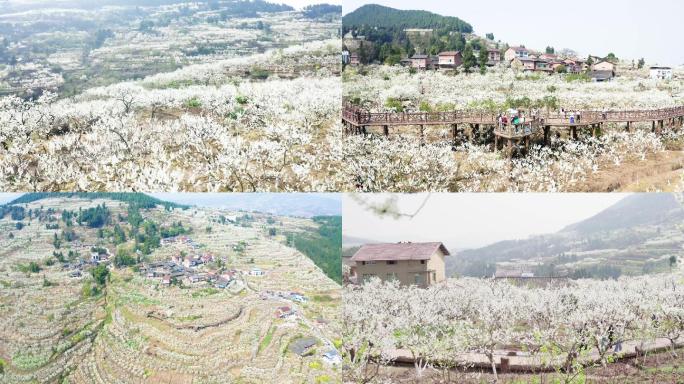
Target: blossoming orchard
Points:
(555, 332)
(419, 155)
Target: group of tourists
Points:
(518, 120)
(575, 116)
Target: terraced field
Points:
(139, 330)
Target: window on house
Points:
(422, 261)
(391, 262)
(391, 276)
(418, 279)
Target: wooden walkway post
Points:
(547, 134)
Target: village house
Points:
(449, 59)
(493, 57)
(660, 73)
(542, 66)
(601, 76)
(526, 63)
(549, 56)
(572, 66)
(284, 312)
(256, 272)
(420, 264)
(419, 61)
(603, 66)
(197, 278)
(189, 262)
(516, 52)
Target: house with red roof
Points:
(420, 264)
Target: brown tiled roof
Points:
(398, 251)
(449, 53)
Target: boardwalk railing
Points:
(520, 130)
(358, 117)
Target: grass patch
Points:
(581, 77)
(266, 340)
(204, 292)
(322, 298)
(193, 103)
(28, 361)
(137, 298)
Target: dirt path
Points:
(523, 362)
(659, 172)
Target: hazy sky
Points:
(280, 203)
(294, 3)
(7, 197)
(464, 220)
(629, 28)
(303, 3)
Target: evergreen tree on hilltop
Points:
(385, 17)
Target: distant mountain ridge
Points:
(385, 17)
(280, 204)
(639, 232)
(140, 199)
(633, 210)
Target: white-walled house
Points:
(604, 66)
(516, 52)
(661, 73)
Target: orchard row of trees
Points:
(563, 327)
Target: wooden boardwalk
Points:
(358, 121)
(509, 360)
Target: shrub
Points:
(193, 103)
(425, 106)
(581, 77)
(259, 74)
(395, 104)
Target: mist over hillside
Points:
(8, 6)
(639, 234)
(292, 204)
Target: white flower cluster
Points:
(476, 91)
(563, 326)
(281, 135)
(404, 164)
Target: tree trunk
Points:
(490, 356)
